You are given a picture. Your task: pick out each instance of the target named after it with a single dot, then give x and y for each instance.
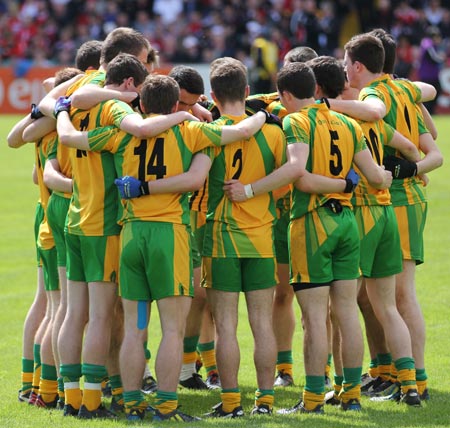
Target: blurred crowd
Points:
(258, 32)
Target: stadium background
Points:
(39, 36)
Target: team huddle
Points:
(149, 191)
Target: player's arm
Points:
(428, 91)
(34, 175)
(244, 129)
(189, 181)
(201, 113)
(316, 183)
(54, 179)
(39, 128)
(47, 103)
(89, 95)
(408, 150)
(370, 110)
(68, 135)
(429, 122)
(15, 137)
(135, 125)
(376, 175)
(433, 157)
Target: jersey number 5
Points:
(336, 155)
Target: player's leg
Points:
(259, 279)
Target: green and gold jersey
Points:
(243, 229)
(377, 134)
(400, 97)
(93, 77)
(333, 140)
(93, 210)
(62, 155)
(166, 155)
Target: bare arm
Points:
(89, 95)
(370, 110)
(433, 157)
(191, 180)
(429, 122)
(38, 128)
(48, 102)
(68, 135)
(200, 112)
(376, 175)
(404, 146)
(244, 129)
(135, 125)
(428, 91)
(54, 179)
(15, 136)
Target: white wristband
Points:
(248, 191)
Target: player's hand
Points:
(235, 191)
(400, 168)
(130, 187)
(351, 180)
(136, 103)
(203, 114)
(35, 112)
(272, 118)
(62, 104)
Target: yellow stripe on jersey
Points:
(166, 155)
(377, 134)
(243, 229)
(333, 140)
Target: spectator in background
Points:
(432, 57)
(264, 53)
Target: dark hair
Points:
(124, 66)
(88, 55)
(298, 79)
(368, 50)
(228, 77)
(159, 94)
(300, 54)
(329, 74)
(124, 40)
(66, 74)
(390, 48)
(188, 78)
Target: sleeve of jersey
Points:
(114, 111)
(360, 141)
(387, 130)
(370, 92)
(295, 131)
(101, 139)
(203, 135)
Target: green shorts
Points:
(281, 238)
(323, 247)
(239, 274)
(198, 220)
(56, 216)
(92, 258)
(50, 268)
(38, 218)
(155, 261)
(381, 254)
(411, 224)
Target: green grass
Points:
(18, 280)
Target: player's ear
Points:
(247, 91)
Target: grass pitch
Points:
(18, 281)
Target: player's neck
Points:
(236, 108)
